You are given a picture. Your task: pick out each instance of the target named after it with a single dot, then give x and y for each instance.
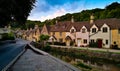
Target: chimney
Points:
(92, 19)
(36, 26)
(72, 19)
(56, 21)
(30, 29)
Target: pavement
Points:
(32, 61)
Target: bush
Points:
(47, 48)
(83, 65)
(95, 44)
(60, 43)
(8, 36)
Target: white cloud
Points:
(44, 11)
(53, 15)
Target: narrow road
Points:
(9, 51)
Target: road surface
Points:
(8, 51)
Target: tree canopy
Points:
(110, 11)
(15, 10)
(44, 37)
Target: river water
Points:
(96, 66)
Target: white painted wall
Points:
(81, 36)
(101, 35)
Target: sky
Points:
(49, 9)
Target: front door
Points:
(79, 42)
(99, 43)
(68, 42)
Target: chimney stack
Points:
(36, 26)
(92, 19)
(72, 19)
(56, 21)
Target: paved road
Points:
(31, 61)
(9, 51)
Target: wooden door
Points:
(99, 43)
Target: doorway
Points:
(99, 43)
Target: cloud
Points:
(53, 15)
(48, 9)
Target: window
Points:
(106, 42)
(94, 30)
(60, 40)
(60, 33)
(53, 33)
(72, 31)
(83, 30)
(85, 41)
(119, 31)
(92, 41)
(105, 29)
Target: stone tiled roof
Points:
(113, 23)
(65, 26)
(61, 26)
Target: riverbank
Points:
(95, 60)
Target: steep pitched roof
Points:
(113, 23)
(65, 26)
(61, 26)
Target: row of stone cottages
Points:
(105, 31)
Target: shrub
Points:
(95, 44)
(60, 43)
(8, 36)
(47, 48)
(83, 65)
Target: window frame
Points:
(106, 41)
(94, 30)
(119, 31)
(83, 30)
(85, 41)
(72, 31)
(104, 29)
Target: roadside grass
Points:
(105, 51)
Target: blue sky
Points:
(49, 9)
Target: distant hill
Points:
(110, 11)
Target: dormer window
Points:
(93, 30)
(72, 31)
(105, 29)
(83, 30)
(119, 30)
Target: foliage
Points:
(110, 11)
(83, 65)
(8, 36)
(95, 44)
(44, 37)
(47, 48)
(60, 43)
(15, 10)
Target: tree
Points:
(44, 38)
(114, 5)
(15, 10)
